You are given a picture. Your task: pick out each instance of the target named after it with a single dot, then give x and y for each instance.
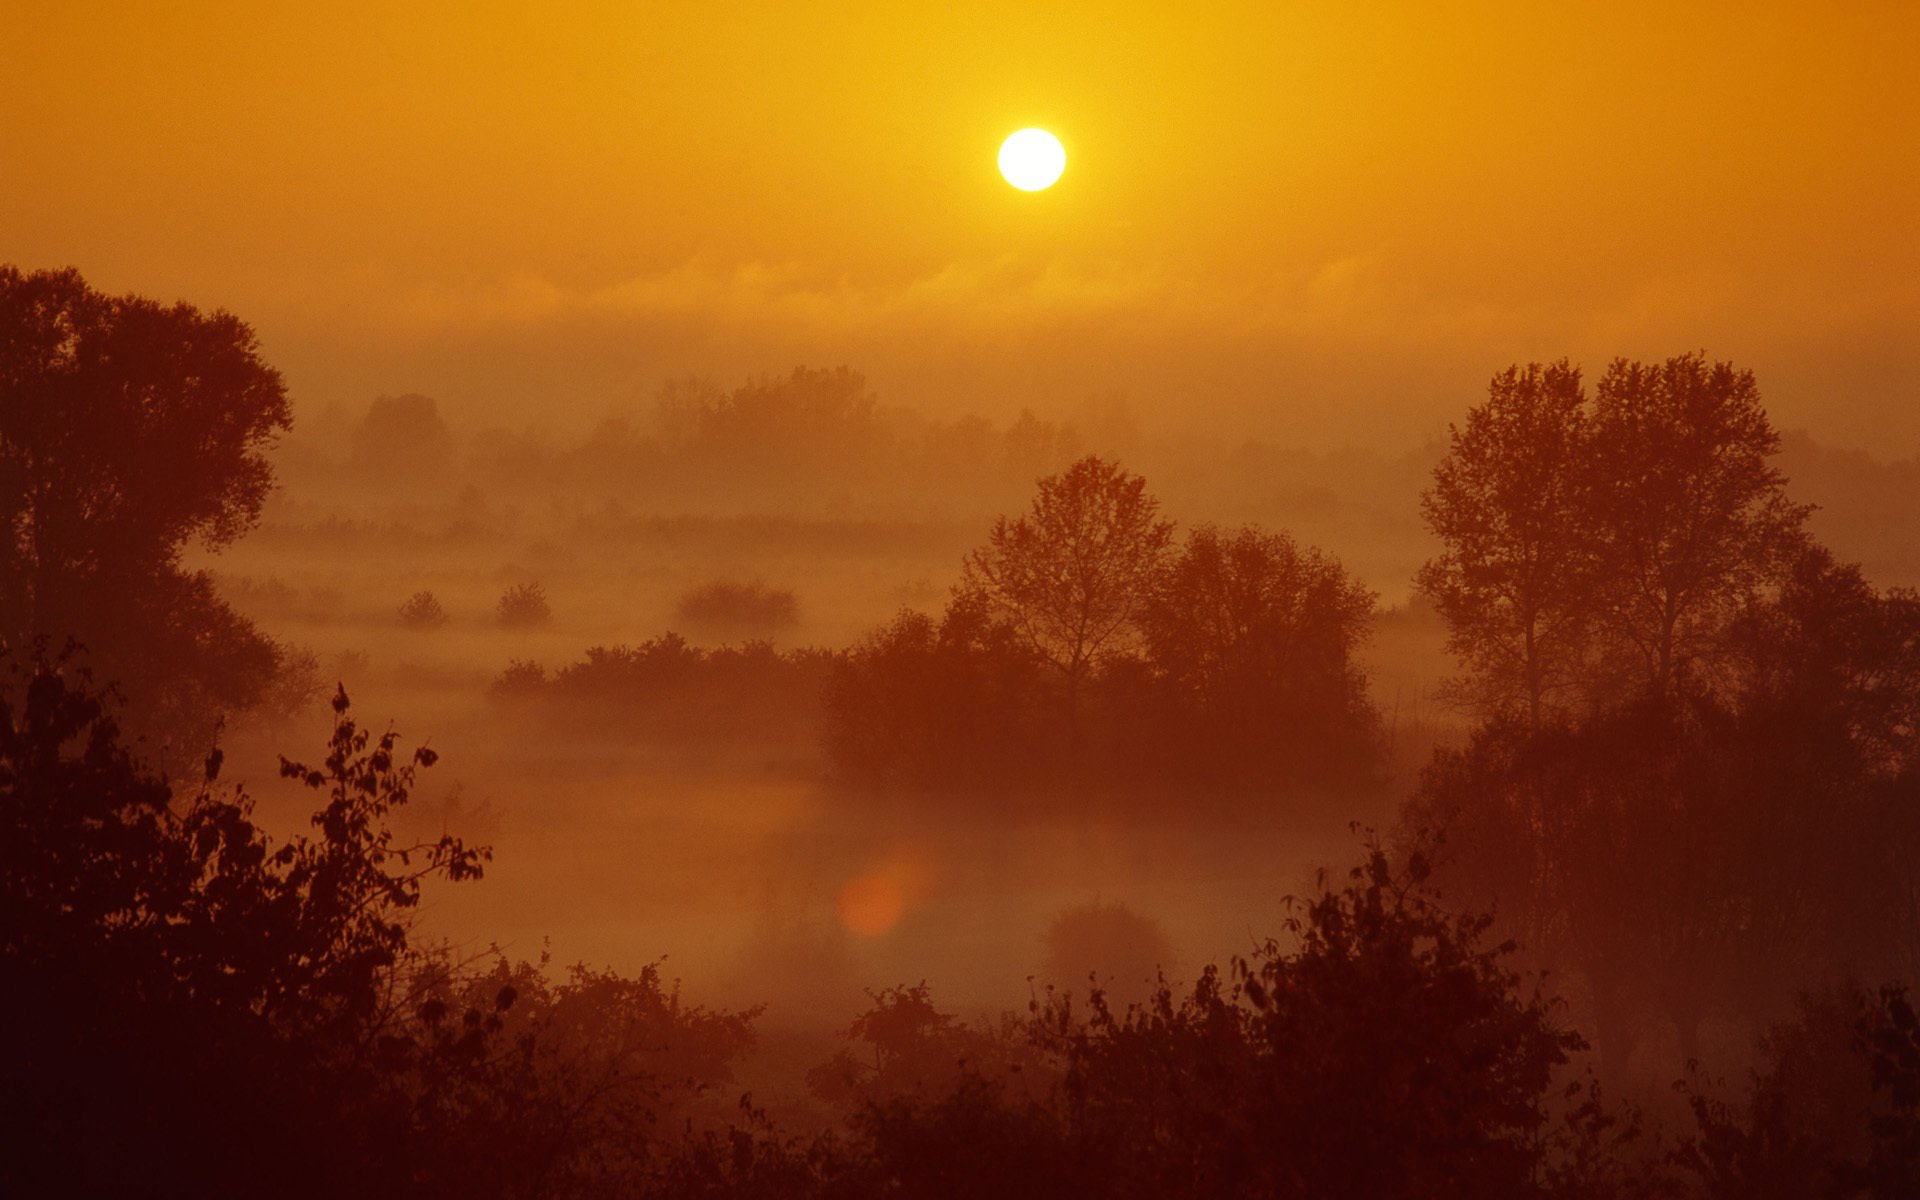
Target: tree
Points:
(1257, 639)
(1692, 522)
(1709, 854)
(130, 430)
(1515, 578)
(423, 610)
(524, 606)
(1073, 577)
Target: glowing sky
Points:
(1334, 220)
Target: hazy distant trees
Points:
(1598, 545)
(1080, 645)
(130, 429)
(404, 440)
(423, 610)
(524, 606)
(668, 690)
(729, 607)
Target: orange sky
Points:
(1329, 220)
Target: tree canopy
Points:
(130, 430)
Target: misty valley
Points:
(775, 790)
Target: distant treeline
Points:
(1083, 647)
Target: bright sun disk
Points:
(1032, 159)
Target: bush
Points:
(423, 611)
(525, 606)
(666, 687)
(523, 677)
(728, 607)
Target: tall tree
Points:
(1693, 523)
(1073, 577)
(130, 430)
(1514, 579)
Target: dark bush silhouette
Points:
(181, 987)
(667, 688)
(524, 606)
(423, 611)
(734, 609)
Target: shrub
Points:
(729, 607)
(525, 606)
(523, 677)
(423, 611)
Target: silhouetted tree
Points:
(524, 606)
(1708, 854)
(1595, 549)
(1515, 579)
(1073, 576)
(1692, 522)
(1387, 1052)
(129, 430)
(423, 611)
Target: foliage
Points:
(524, 606)
(1708, 855)
(668, 688)
(1072, 577)
(1253, 641)
(1081, 648)
(1515, 575)
(423, 611)
(1832, 1111)
(181, 985)
(131, 430)
(1385, 1053)
(1599, 547)
(725, 606)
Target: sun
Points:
(1032, 159)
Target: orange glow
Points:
(871, 904)
(1339, 213)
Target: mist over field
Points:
(843, 602)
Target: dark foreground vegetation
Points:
(1680, 841)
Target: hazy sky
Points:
(1334, 219)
